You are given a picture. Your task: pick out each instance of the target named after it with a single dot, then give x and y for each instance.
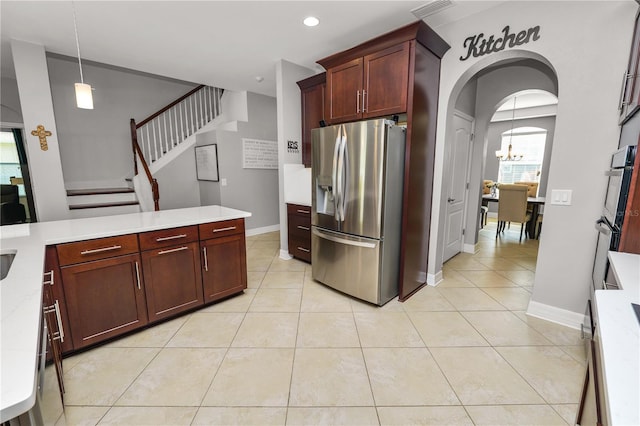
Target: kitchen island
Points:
(21, 289)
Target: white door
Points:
(457, 163)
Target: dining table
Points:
(533, 202)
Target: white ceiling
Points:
(221, 43)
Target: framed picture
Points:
(207, 162)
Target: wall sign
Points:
(293, 147)
(478, 45)
(259, 154)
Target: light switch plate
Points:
(561, 197)
(223, 182)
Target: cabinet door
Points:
(312, 113)
(53, 279)
(386, 81)
(631, 88)
(51, 314)
(344, 92)
(172, 280)
(105, 298)
(224, 266)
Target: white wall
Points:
(589, 53)
(47, 182)
(289, 128)
(252, 190)
(95, 145)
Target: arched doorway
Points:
(479, 93)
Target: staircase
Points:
(164, 135)
(102, 201)
(156, 141)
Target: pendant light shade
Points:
(84, 98)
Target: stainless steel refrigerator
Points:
(357, 175)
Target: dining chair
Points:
(512, 207)
(532, 188)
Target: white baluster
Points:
(165, 135)
(202, 122)
(181, 123)
(155, 140)
(148, 142)
(193, 121)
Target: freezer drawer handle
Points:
(100, 250)
(343, 240)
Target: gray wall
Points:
(252, 190)
(10, 100)
(95, 145)
(178, 183)
(466, 102)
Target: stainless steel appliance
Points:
(610, 223)
(357, 175)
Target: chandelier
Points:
(510, 156)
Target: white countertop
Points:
(619, 341)
(21, 290)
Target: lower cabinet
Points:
(105, 298)
(172, 280)
(224, 266)
(299, 231)
(100, 289)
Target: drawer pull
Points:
(304, 249)
(303, 211)
(228, 228)
(138, 275)
(173, 237)
(100, 250)
(304, 228)
(49, 281)
(173, 250)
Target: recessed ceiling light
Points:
(311, 21)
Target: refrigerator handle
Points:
(345, 241)
(334, 174)
(341, 176)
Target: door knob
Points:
(451, 200)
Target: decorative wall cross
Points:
(42, 134)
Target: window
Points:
(528, 142)
(9, 161)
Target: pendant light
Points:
(84, 97)
(510, 156)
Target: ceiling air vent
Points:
(431, 8)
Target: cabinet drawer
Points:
(221, 229)
(299, 227)
(300, 248)
(102, 248)
(168, 237)
(298, 209)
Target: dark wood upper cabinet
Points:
(371, 86)
(312, 95)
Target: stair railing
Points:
(138, 156)
(159, 133)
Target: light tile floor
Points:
(292, 351)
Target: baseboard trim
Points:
(434, 279)
(262, 230)
(471, 248)
(284, 255)
(557, 315)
